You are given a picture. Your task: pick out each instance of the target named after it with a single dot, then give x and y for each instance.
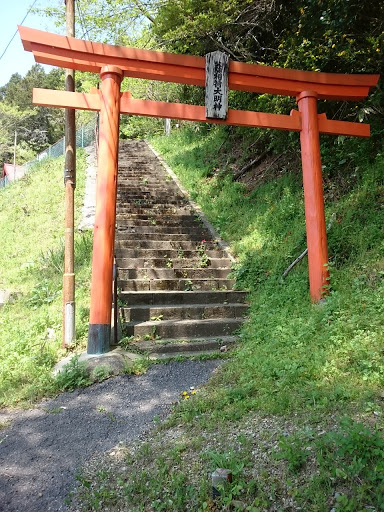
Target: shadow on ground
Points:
(43, 448)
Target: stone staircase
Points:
(175, 294)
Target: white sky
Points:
(12, 12)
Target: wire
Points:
(82, 21)
(13, 37)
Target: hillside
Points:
(31, 254)
(297, 411)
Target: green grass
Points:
(31, 251)
(295, 354)
(297, 412)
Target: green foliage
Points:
(108, 21)
(36, 127)
(158, 487)
(354, 452)
(135, 127)
(74, 375)
(101, 373)
(315, 356)
(30, 328)
(334, 36)
(315, 35)
(293, 451)
(238, 27)
(351, 456)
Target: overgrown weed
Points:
(30, 328)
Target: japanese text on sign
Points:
(216, 85)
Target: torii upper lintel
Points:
(113, 63)
(83, 55)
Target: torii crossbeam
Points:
(113, 63)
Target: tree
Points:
(37, 127)
(108, 21)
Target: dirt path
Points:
(43, 448)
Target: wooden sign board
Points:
(216, 85)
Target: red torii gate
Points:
(115, 62)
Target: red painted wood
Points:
(331, 127)
(313, 196)
(191, 76)
(128, 105)
(106, 190)
(89, 56)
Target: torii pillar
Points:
(105, 217)
(306, 86)
(313, 196)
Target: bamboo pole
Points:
(70, 184)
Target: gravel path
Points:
(42, 448)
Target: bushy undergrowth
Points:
(316, 362)
(31, 251)
(294, 354)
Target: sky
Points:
(16, 60)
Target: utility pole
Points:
(70, 184)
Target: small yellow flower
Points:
(185, 393)
(186, 397)
(194, 392)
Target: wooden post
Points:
(167, 126)
(70, 184)
(105, 216)
(313, 196)
(14, 157)
(216, 85)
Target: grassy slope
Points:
(287, 412)
(31, 252)
(305, 355)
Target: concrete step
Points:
(161, 210)
(177, 329)
(139, 197)
(173, 273)
(126, 206)
(174, 217)
(153, 181)
(144, 230)
(165, 348)
(176, 264)
(161, 237)
(164, 245)
(144, 182)
(166, 254)
(135, 184)
(152, 199)
(175, 284)
(130, 298)
(158, 312)
(171, 221)
(177, 297)
(161, 196)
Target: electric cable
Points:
(13, 37)
(82, 20)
